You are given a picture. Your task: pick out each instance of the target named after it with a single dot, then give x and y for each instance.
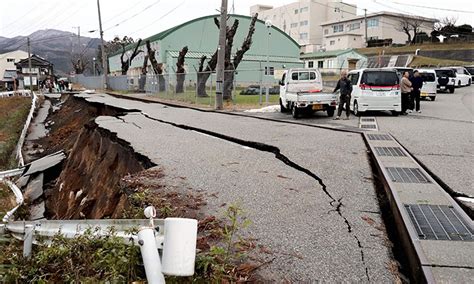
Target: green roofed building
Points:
(334, 60)
(201, 37)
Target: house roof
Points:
(37, 59)
(382, 13)
(165, 33)
(328, 54)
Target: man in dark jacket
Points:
(345, 86)
(417, 84)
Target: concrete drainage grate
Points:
(367, 119)
(439, 222)
(379, 137)
(370, 126)
(407, 175)
(390, 151)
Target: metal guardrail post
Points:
(150, 256)
(28, 240)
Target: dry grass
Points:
(13, 113)
(422, 61)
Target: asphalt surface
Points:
(275, 180)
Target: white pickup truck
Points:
(301, 91)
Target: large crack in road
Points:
(335, 203)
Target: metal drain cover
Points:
(379, 137)
(407, 175)
(368, 119)
(372, 126)
(439, 222)
(390, 151)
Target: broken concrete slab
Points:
(37, 211)
(44, 163)
(34, 189)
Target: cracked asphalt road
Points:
(227, 157)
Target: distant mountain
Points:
(55, 46)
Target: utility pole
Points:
(365, 22)
(29, 65)
(221, 56)
(78, 37)
(104, 59)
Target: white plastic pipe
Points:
(18, 196)
(150, 256)
(179, 248)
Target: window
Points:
(312, 76)
(332, 42)
(304, 9)
(293, 25)
(338, 28)
(299, 76)
(269, 70)
(379, 78)
(427, 77)
(10, 59)
(320, 64)
(326, 31)
(353, 78)
(310, 64)
(303, 23)
(354, 26)
(372, 23)
(303, 35)
(296, 11)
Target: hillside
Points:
(453, 51)
(53, 45)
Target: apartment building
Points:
(8, 68)
(302, 20)
(350, 32)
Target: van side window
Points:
(353, 78)
(312, 76)
(294, 76)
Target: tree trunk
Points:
(142, 80)
(228, 83)
(201, 84)
(157, 67)
(180, 75)
(126, 63)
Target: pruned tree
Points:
(232, 66)
(204, 73)
(157, 67)
(126, 63)
(142, 80)
(180, 72)
(112, 47)
(79, 64)
(409, 25)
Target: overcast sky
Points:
(143, 18)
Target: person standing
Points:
(406, 88)
(417, 84)
(345, 86)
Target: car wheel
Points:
(395, 113)
(451, 90)
(294, 111)
(459, 83)
(283, 109)
(432, 98)
(356, 109)
(330, 112)
(469, 82)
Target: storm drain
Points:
(407, 175)
(439, 222)
(390, 151)
(369, 126)
(379, 137)
(367, 119)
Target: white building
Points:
(302, 19)
(350, 32)
(8, 68)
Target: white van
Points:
(375, 89)
(463, 77)
(430, 83)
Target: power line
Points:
(434, 8)
(133, 16)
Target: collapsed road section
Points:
(311, 198)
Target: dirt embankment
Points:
(97, 160)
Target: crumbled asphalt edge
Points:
(469, 211)
(336, 204)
